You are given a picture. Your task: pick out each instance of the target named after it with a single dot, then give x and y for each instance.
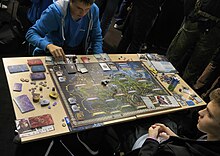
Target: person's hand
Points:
(153, 131)
(164, 130)
(57, 52)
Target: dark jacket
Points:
(176, 146)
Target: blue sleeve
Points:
(46, 24)
(96, 36)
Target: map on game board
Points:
(104, 95)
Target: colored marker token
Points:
(53, 95)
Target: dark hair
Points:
(87, 2)
(215, 95)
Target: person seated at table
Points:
(67, 27)
(161, 140)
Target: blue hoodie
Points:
(57, 27)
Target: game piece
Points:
(18, 68)
(44, 102)
(72, 100)
(83, 70)
(24, 103)
(37, 76)
(173, 84)
(55, 103)
(62, 79)
(80, 115)
(17, 87)
(71, 58)
(33, 82)
(63, 124)
(22, 79)
(59, 73)
(53, 95)
(53, 89)
(33, 62)
(40, 88)
(26, 80)
(75, 108)
(36, 97)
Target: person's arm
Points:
(49, 22)
(165, 131)
(96, 36)
(151, 145)
(46, 24)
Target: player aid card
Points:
(17, 87)
(104, 66)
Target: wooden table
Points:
(57, 112)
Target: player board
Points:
(96, 96)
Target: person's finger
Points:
(63, 56)
(164, 135)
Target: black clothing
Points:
(176, 146)
(139, 24)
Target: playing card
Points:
(112, 66)
(85, 59)
(24, 103)
(104, 66)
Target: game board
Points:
(98, 96)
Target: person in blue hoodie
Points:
(67, 27)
